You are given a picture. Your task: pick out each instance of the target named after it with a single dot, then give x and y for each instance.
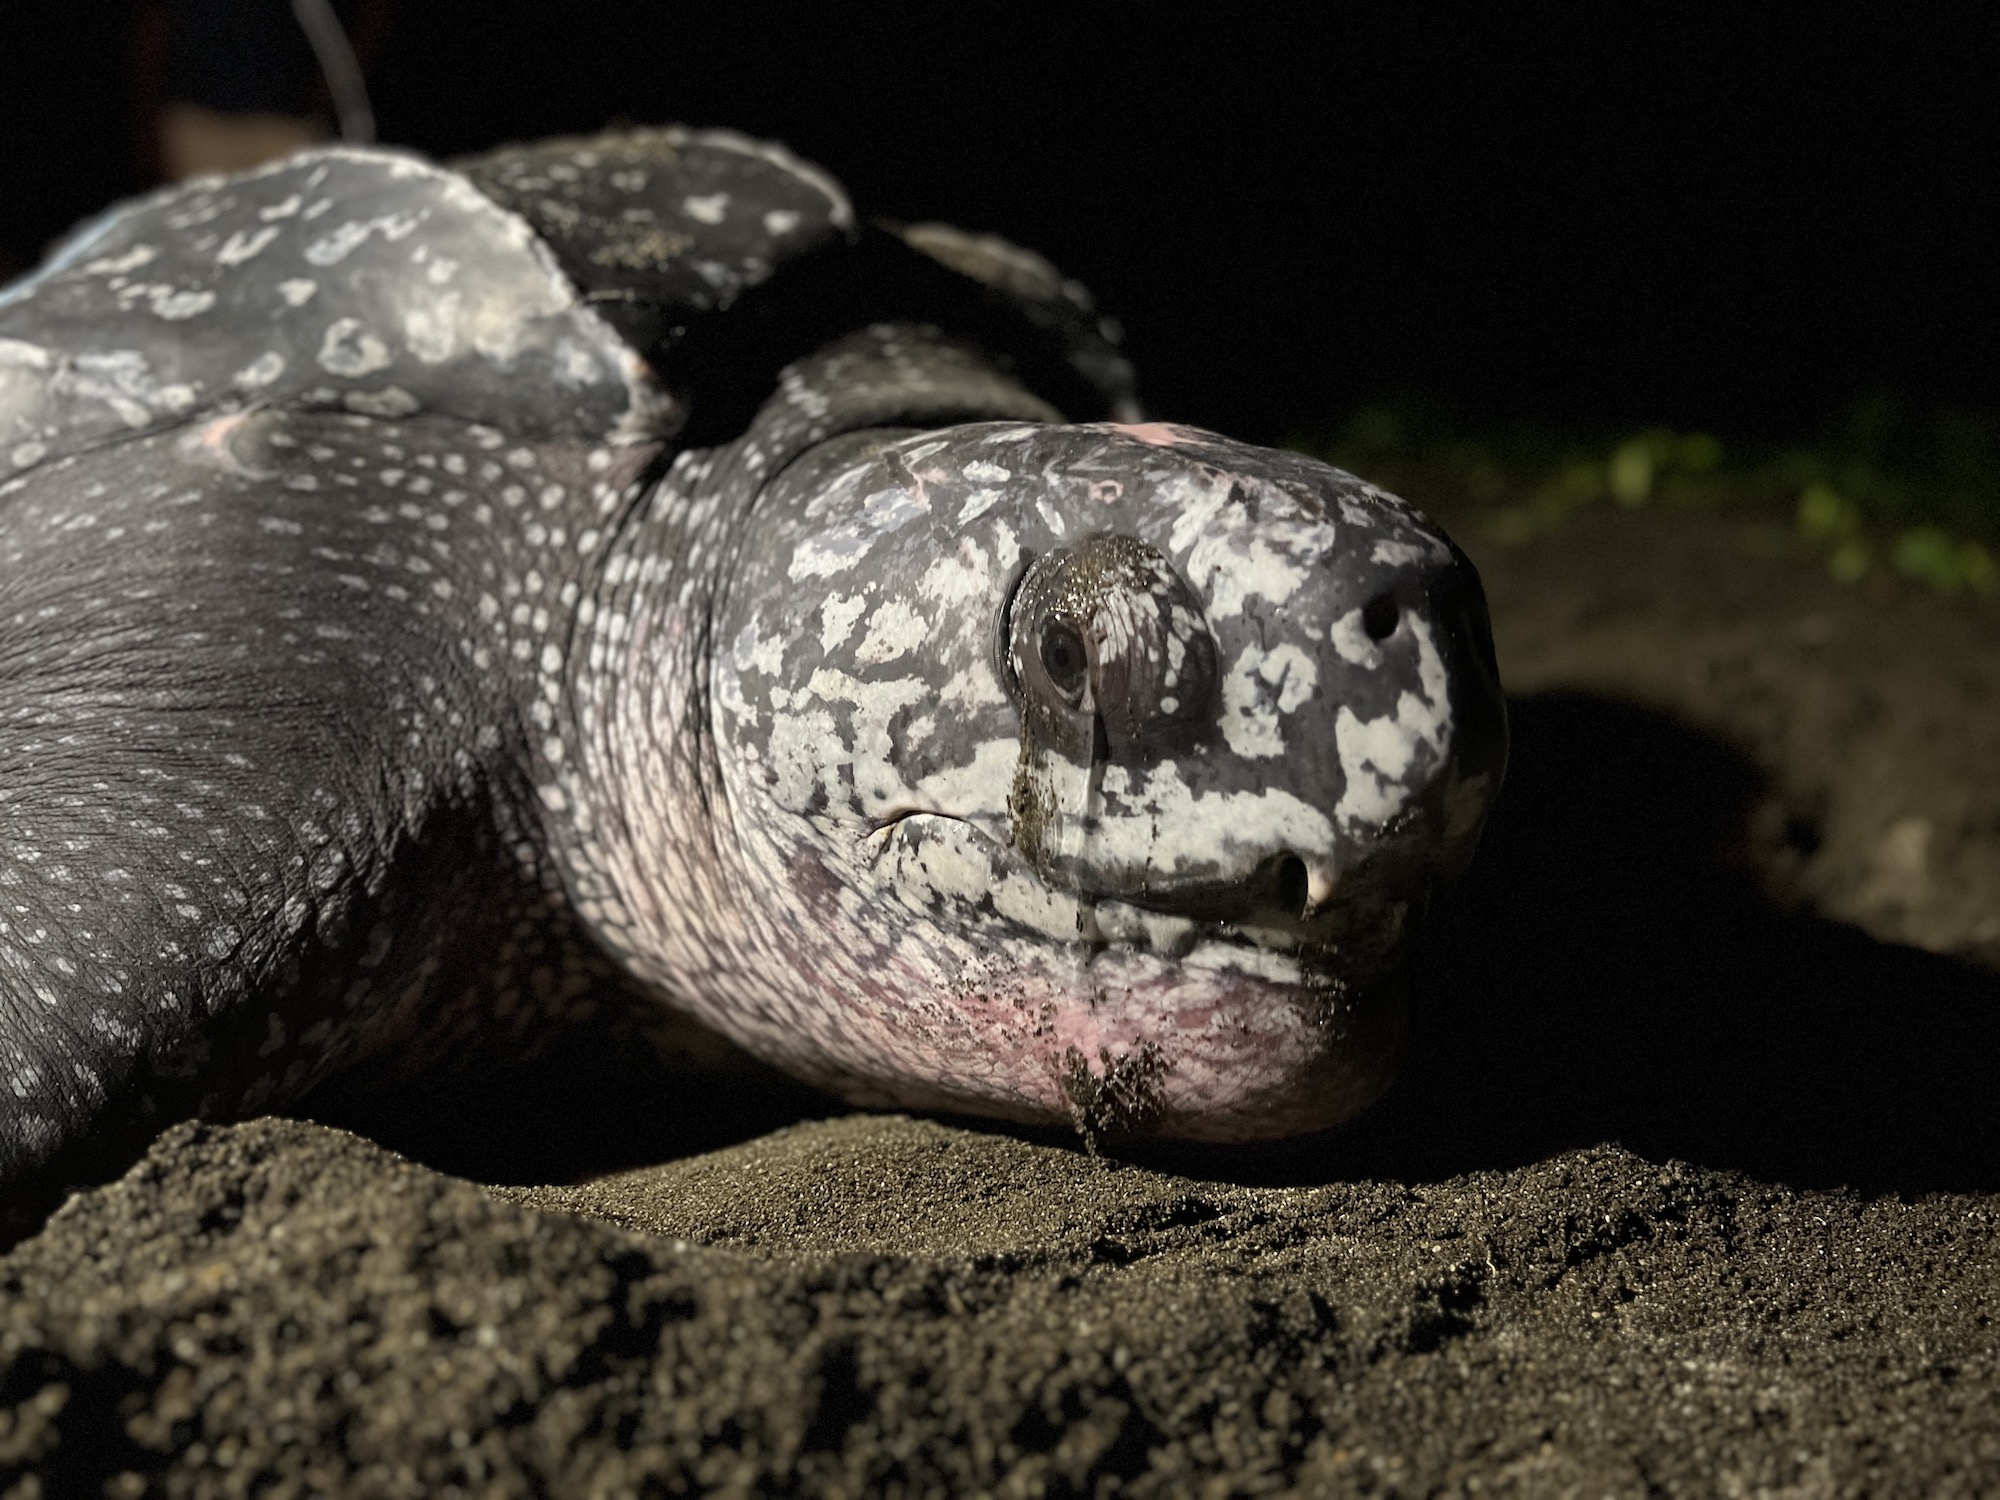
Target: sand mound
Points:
(873, 1304)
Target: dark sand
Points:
(1691, 1185)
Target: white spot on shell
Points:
(244, 244)
(261, 371)
(117, 265)
(430, 328)
(390, 401)
(350, 349)
(176, 306)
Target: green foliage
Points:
(1881, 489)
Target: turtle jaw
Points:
(1123, 1018)
(1287, 907)
(1125, 1042)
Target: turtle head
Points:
(1094, 771)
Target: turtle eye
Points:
(1064, 658)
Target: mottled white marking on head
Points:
(837, 616)
(1351, 639)
(1258, 691)
(1379, 755)
(1397, 554)
(894, 630)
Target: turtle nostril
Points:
(1378, 617)
(1064, 658)
(1291, 886)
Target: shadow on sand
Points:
(1611, 971)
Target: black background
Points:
(1723, 217)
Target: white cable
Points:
(338, 66)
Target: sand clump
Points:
(876, 1304)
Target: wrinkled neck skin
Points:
(1053, 773)
(666, 863)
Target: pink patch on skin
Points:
(1107, 491)
(1157, 434)
(211, 443)
(1242, 1058)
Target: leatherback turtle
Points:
(433, 599)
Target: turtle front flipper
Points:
(364, 280)
(663, 227)
(724, 259)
